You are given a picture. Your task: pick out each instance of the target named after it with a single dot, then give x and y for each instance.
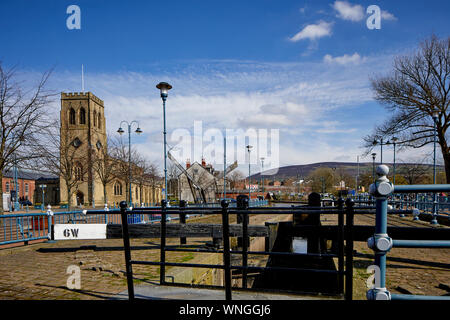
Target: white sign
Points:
(79, 231)
(300, 245)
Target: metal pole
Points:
(394, 166)
(249, 180)
(226, 250)
(165, 153)
(357, 176)
(224, 166)
(434, 220)
(262, 177)
(129, 165)
(127, 248)
(381, 156)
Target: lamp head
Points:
(164, 87)
(374, 155)
(120, 131)
(435, 114)
(249, 147)
(138, 130)
(394, 139)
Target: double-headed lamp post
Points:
(121, 131)
(375, 142)
(435, 120)
(249, 147)
(164, 88)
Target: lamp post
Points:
(164, 88)
(375, 142)
(373, 166)
(16, 185)
(138, 131)
(435, 120)
(43, 186)
(249, 147)
(394, 142)
(262, 170)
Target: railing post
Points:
(226, 249)
(106, 213)
(162, 269)
(243, 204)
(182, 218)
(127, 248)
(380, 242)
(349, 217)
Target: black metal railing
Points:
(344, 253)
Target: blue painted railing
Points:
(21, 228)
(381, 243)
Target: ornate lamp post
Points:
(394, 142)
(375, 142)
(138, 131)
(164, 88)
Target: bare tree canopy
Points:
(417, 88)
(22, 117)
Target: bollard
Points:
(50, 224)
(380, 242)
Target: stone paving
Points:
(38, 271)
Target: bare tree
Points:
(22, 117)
(147, 174)
(415, 171)
(105, 166)
(235, 177)
(418, 87)
(322, 179)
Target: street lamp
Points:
(43, 186)
(262, 170)
(249, 178)
(164, 88)
(373, 166)
(394, 142)
(435, 120)
(375, 142)
(121, 131)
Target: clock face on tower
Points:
(76, 142)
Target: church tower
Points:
(83, 126)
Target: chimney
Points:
(188, 163)
(203, 163)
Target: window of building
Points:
(137, 192)
(99, 121)
(78, 172)
(72, 116)
(26, 189)
(95, 118)
(7, 187)
(82, 116)
(117, 189)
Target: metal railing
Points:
(22, 228)
(381, 243)
(343, 269)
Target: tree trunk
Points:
(1, 193)
(69, 197)
(104, 194)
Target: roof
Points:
(28, 175)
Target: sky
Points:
(299, 68)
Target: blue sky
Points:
(302, 67)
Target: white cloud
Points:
(314, 31)
(386, 15)
(344, 60)
(347, 11)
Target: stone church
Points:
(83, 125)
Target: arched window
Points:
(82, 116)
(117, 189)
(72, 116)
(78, 172)
(137, 192)
(99, 121)
(95, 118)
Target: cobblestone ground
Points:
(410, 271)
(38, 271)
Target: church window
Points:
(99, 121)
(78, 172)
(117, 189)
(72, 116)
(82, 116)
(95, 118)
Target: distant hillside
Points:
(303, 171)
